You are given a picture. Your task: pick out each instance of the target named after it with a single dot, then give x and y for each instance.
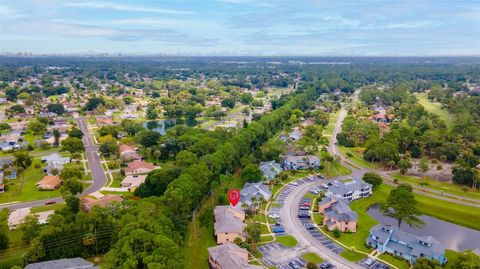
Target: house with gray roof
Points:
(256, 190)
(338, 215)
(54, 161)
(73, 263)
(270, 169)
(408, 246)
(229, 256)
(229, 224)
(300, 162)
(295, 135)
(350, 189)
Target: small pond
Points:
(452, 236)
(161, 126)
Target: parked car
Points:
(309, 226)
(330, 184)
(368, 261)
(326, 265)
(278, 224)
(293, 183)
(304, 207)
(274, 215)
(325, 186)
(305, 204)
(278, 229)
(320, 176)
(311, 178)
(303, 214)
(294, 265)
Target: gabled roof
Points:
(228, 257)
(344, 187)
(340, 210)
(254, 190)
(226, 221)
(139, 164)
(270, 169)
(73, 263)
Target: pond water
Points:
(452, 236)
(161, 126)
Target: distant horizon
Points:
(263, 28)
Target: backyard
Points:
(435, 108)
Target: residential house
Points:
(295, 135)
(337, 214)
(257, 190)
(88, 202)
(49, 115)
(72, 263)
(17, 217)
(43, 216)
(270, 169)
(408, 246)
(2, 187)
(104, 120)
(229, 224)
(49, 183)
(128, 153)
(54, 161)
(229, 256)
(139, 167)
(133, 181)
(350, 189)
(301, 162)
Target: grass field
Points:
(287, 240)
(358, 157)
(401, 264)
(47, 208)
(23, 188)
(435, 108)
(328, 131)
(312, 257)
(352, 256)
(441, 186)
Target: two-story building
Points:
(338, 215)
(301, 162)
(229, 256)
(408, 246)
(229, 224)
(350, 189)
(257, 190)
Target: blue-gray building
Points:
(270, 169)
(408, 246)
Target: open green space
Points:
(328, 131)
(399, 263)
(287, 240)
(357, 157)
(352, 256)
(435, 108)
(23, 188)
(445, 187)
(312, 257)
(266, 238)
(47, 208)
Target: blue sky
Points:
(242, 27)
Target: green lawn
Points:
(23, 188)
(357, 157)
(441, 186)
(46, 208)
(266, 238)
(435, 108)
(328, 131)
(352, 256)
(400, 263)
(318, 218)
(287, 240)
(312, 257)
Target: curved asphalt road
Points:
(96, 169)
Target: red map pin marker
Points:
(233, 196)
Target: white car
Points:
(294, 183)
(274, 216)
(368, 261)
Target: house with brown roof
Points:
(139, 167)
(229, 224)
(229, 256)
(128, 153)
(104, 120)
(88, 202)
(49, 183)
(133, 181)
(338, 215)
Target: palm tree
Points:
(157, 153)
(254, 203)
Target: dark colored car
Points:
(309, 226)
(294, 265)
(326, 265)
(50, 202)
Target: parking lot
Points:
(275, 254)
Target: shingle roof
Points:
(340, 211)
(254, 190)
(74, 263)
(228, 257)
(226, 221)
(270, 169)
(341, 187)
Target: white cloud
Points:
(124, 7)
(9, 13)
